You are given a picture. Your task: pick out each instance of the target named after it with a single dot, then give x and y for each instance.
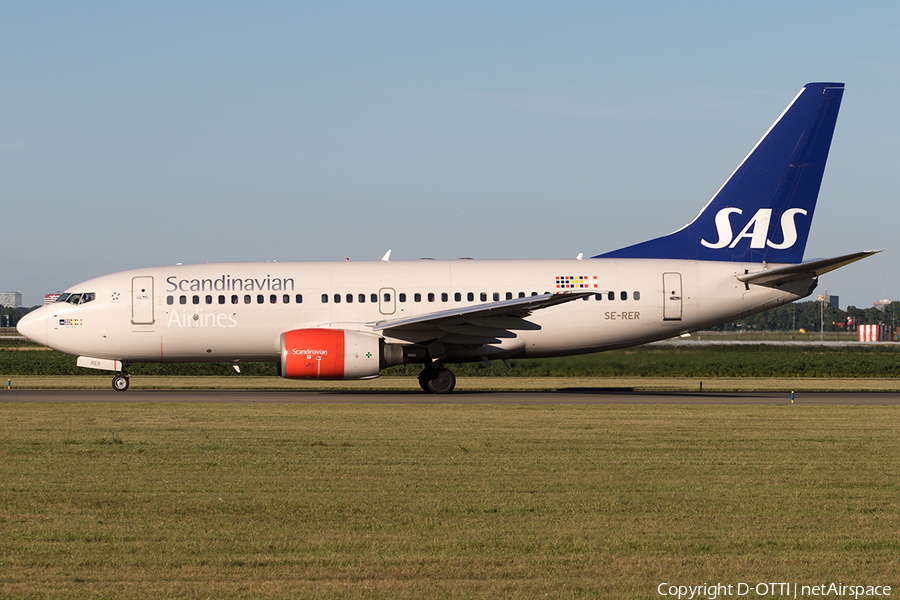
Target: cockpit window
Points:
(82, 298)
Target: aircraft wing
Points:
(808, 270)
(478, 324)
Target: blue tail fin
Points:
(764, 211)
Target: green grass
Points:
(386, 501)
(643, 361)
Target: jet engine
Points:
(329, 354)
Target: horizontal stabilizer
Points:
(807, 270)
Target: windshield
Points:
(77, 298)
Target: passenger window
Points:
(521, 294)
(484, 296)
(534, 293)
(496, 296)
(611, 295)
(273, 299)
(170, 300)
(260, 299)
(208, 299)
(387, 296)
(247, 299)
(221, 299)
(298, 298)
(349, 298)
(637, 295)
(598, 297)
(401, 297)
(457, 297)
(509, 295)
(324, 298)
(623, 295)
(286, 299)
(182, 299)
(470, 297)
(430, 296)
(417, 297)
(445, 297)
(373, 298)
(195, 299)
(234, 298)
(337, 298)
(362, 298)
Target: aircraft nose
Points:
(34, 326)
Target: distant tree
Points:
(808, 315)
(12, 315)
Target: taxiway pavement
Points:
(565, 396)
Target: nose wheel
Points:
(437, 380)
(120, 382)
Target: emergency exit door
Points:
(672, 296)
(142, 300)
(387, 303)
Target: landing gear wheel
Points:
(439, 381)
(426, 376)
(120, 382)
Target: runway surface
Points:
(570, 396)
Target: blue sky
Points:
(149, 134)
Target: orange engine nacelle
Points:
(329, 354)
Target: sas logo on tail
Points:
(755, 230)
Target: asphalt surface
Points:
(570, 396)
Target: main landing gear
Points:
(120, 381)
(437, 380)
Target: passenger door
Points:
(142, 301)
(671, 296)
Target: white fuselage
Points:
(237, 311)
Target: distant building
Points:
(11, 299)
(882, 304)
(51, 298)
(832, 300)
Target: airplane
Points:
(742, 254)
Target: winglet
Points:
(387, 256)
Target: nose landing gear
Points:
(120, 381)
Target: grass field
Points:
(18, 358)
(387, 501)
